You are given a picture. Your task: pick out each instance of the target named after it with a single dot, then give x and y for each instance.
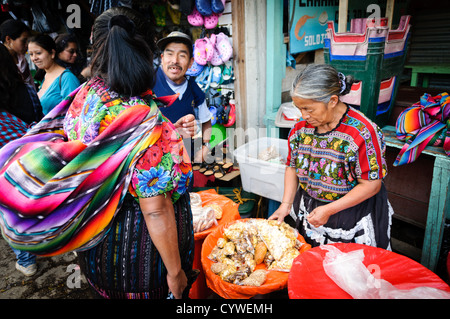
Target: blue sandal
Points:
(204, 7)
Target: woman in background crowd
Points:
(68, 55)
(17, 97)
(58, 81)
(14, 35)
(13, 93)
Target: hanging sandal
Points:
(174, 14)
(195, 18)
(231, 114)
(202, 51)
(195, 69)
(204, 7)
(204, 79)
(211, 21)
(216, 77)
(224, 47)
(227, 70)
(213, 111)
(218, 6)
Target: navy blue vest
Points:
(192, 98)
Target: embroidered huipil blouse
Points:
(329, 164)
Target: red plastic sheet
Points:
(276, 280)
(308, 280)
(230, 213)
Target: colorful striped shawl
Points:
(58, 195)
(425, 123)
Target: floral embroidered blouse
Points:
(329, 164)
(164, 167)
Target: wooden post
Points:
(390, 11)
(438, 209)
(238, 25)
(276, 63)
(343, 11)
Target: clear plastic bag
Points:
(350, 274)
(270, 154)
(202, 217)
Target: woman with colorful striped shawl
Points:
(105, 174)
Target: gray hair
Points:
(319, 82)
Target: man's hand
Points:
(186, 126)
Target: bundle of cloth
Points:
(62, 195)
(426, 122)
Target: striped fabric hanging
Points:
(425, 123)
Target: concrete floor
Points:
(56, 278)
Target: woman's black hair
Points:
(44, 41)
(10, 79)
(13, 29)
(121, 55)
(63, 40)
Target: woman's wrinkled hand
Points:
(319, 216)
(281, 212)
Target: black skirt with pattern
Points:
(367, 223)
(126, 264)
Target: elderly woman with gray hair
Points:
(337, 157)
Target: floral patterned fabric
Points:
(165, 166)
(329, 164)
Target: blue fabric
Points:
(56, 93)
(192, 98)
(24, 258)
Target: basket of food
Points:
(250, 257)
(209, 211)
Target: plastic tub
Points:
(260, 177)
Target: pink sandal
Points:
(211, 21)
(209, 49)
(215, 59)
(224, 47)
(195, 18)
(200, 52)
